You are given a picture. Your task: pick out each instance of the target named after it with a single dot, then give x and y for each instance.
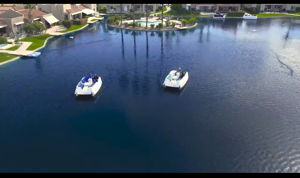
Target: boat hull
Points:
(89, 90)
(250, 17)
(176, 83)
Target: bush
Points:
(297, 9)
(168, 23)
(101, 9)
(160, 25)
(3, 40)
(160, 7)
(80, 21)
(114, 19)
(192, 20)
(134, 24)
(83, 21)
(152, 25)
(173, 24)
(76, 22)
(67, 23)
(184, 22)
(33, 28)
(235, 14)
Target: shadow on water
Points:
(88, 98)
(173, 91)
(122, 40)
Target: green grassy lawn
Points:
(13, 48)
(273, 15)
(6, 57)
(296, 13)
(73, 27)
(37, 41)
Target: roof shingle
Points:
(10, 14)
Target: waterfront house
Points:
(39, 16)
(3, 28)
(203, 7)
(278, 7)
(228, 7)
(139, 8)
(213, 7)
(69, 11)
(273, 7)
(13, 23)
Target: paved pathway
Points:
(21, 51)
(54, 30)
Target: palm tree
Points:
(162, 14)
(147, 17)
(30, 7)
(132, 14)
(121, 9)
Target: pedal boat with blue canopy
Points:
(88, 85)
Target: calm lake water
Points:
(240, 110)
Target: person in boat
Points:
(95, 79)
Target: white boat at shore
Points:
(88, 85)
(176, 79)
(34, 54)
(249, 17)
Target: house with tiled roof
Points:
(39, 16)
(213, 7)
(69, 11)
(12, 21)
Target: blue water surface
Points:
(240, 110)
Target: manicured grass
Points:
(273, 15)
(296, 13)
(37, 41)
(13, 48)
(73, 27)
(6, 57)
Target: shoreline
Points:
(153, 29)
(45, 43)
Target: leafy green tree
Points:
(184, 22)
(101, 9)
(67, 23)
(160, 25)
(34, 28)
(177, 9)
(3, 40)
(132, 15)
(192, 20)
(173, 24)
